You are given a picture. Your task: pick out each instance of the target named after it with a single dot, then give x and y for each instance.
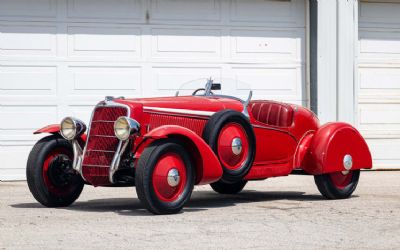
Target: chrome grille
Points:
(101, 144)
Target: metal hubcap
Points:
(173, 177)
(237, 146)
(347, 164)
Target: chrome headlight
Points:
(72, 128)
(124, 127)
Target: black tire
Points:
(144, 172)
(210, 136)
(52, 195)
(331, 191)
(228, 188)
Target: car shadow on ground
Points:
(200, 201)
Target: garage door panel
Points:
(266, 45)
(103, 41)
(384, 79)
(271, 83)
(382, 13)
(105, 9)
(104, 80)
(178, 10)
(25, 39)
(17, 115)
(379, 115)
(379, 44)
(28, 8)
(265, 11)
(385, 152)
(28, 80)
(184, 43)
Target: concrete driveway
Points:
(279, 213)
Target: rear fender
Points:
(208, 168)
(54, 129)
(328, 147)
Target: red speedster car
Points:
(165, 146)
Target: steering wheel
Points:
(201, 89)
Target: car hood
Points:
(195, 103)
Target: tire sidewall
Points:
(212, 131)
(159, 149)
(34, 173)
(328, 189)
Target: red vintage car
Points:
(164, 146)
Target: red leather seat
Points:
(272, 113)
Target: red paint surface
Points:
(228, 159)
(330, 144)
(159, 178)
(51, 129)
(207, 162)
(341, 180)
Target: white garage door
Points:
(379, 80)
(60, 57)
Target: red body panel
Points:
(51, 129)
(330, 144)
(207, 165)
(54, 129)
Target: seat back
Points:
(272, 113)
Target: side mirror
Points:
(216, 86)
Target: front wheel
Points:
(49, 173)
(164, 177)
(338, 185)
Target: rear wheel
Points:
(338, 185)
(50, 176)
(228, 188)
(164, 177)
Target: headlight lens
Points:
(71, 128)
(124, 127)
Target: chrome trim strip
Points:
(106, 136)
(78, 157)
(102, 121)
(180, 111)
(107, 151)
(122, 145)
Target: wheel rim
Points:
(169, 177)
(51, 168)
(231, 155)
(341, 180)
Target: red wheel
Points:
(233, 146)
(169, 177)
(338, 185)
(50, 176)
(341, 180)
(231, 137)
(164, 177)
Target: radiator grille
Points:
(101, 145)
(194, 124)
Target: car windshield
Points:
(211, 86)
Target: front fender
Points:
(208, 168)
(54, 129)
(329, 145)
